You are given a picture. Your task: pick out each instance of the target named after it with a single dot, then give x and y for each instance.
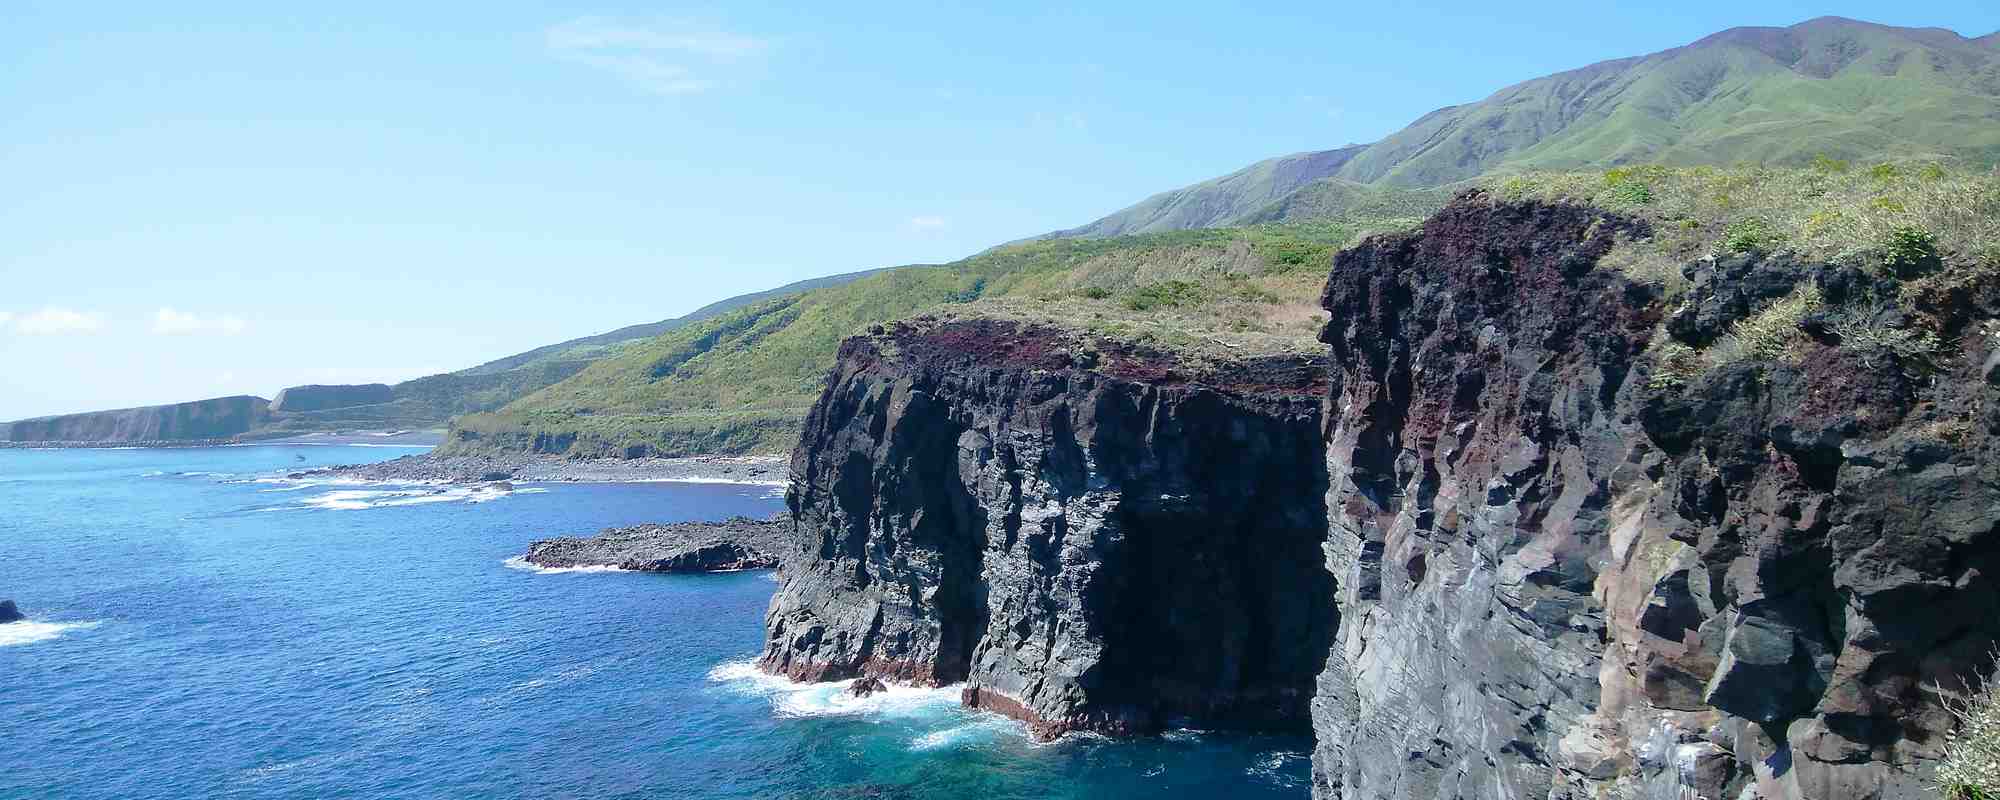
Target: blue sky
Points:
(217, 198)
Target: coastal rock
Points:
(445, 468)
(203, 421)
(1563, 576)
(1090, 536)
(734, 544)
(10, 612)
(1491, 546)
(866, 685)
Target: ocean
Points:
(201, 629)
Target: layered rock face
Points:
(316, 397)
(1088, 538)
(216, 419)
(1566, 573)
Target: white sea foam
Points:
(790, 698)
(984, 728)
(1270, 767)
(522, 563)
(30, 631)
(357, 499)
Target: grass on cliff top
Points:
(741, 382)
(1970, 769)
(1887, 215)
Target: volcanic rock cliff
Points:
(1569, 568)
(1088, 538)
(1534, 530)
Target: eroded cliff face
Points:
(1088, 538)
(1565, 573)
(217, 419)
(1553, 534)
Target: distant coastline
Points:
(421, 438)
(427, 468)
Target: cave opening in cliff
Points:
(1219, 610)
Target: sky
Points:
(205, 199)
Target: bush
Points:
(1096, 292)
(1768, 334)
(1674, 366)
(1751, 235)
(1166, 294)
(1909, 249)
(1632, 193)
(1971, 766)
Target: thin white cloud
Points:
(169, 322)
(648, 73)
(599, 33)
(667, 57)
(54, 321)
(928, 223)
(6, 317)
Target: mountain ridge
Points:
(1832, 86)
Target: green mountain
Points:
(741, 382)
(1830, 86)
(1219, 202)
(1177, 267)
(591, 348)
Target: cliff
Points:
(1088, 535)
(1588, 538)
(316, 397)
(1553, 533)
(203, 420)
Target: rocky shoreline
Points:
(734, 544)
(427, 468)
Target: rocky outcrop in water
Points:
(10, 612)
(733, 544)
(1567, 571)
(219, 419)
(1089, 536)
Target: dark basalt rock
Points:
(10, 612)
(1632, 588)
(734, 544)
(1089, 535)
(866, 685)
(1501, 556)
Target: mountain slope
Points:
(1829, 86)
(742, 381)
(589, 347)
(1219, 202)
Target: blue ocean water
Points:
(197, 633)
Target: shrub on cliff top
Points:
(1887, 215)
(1971, 766)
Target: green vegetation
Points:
(1929, 228)
(1825, 95)
(1971, 766)
(741, 381)
(1899, 217)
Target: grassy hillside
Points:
(1220, 202)
(1780, 96)
(591, 348)
(741, 382)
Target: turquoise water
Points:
(198, 633)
